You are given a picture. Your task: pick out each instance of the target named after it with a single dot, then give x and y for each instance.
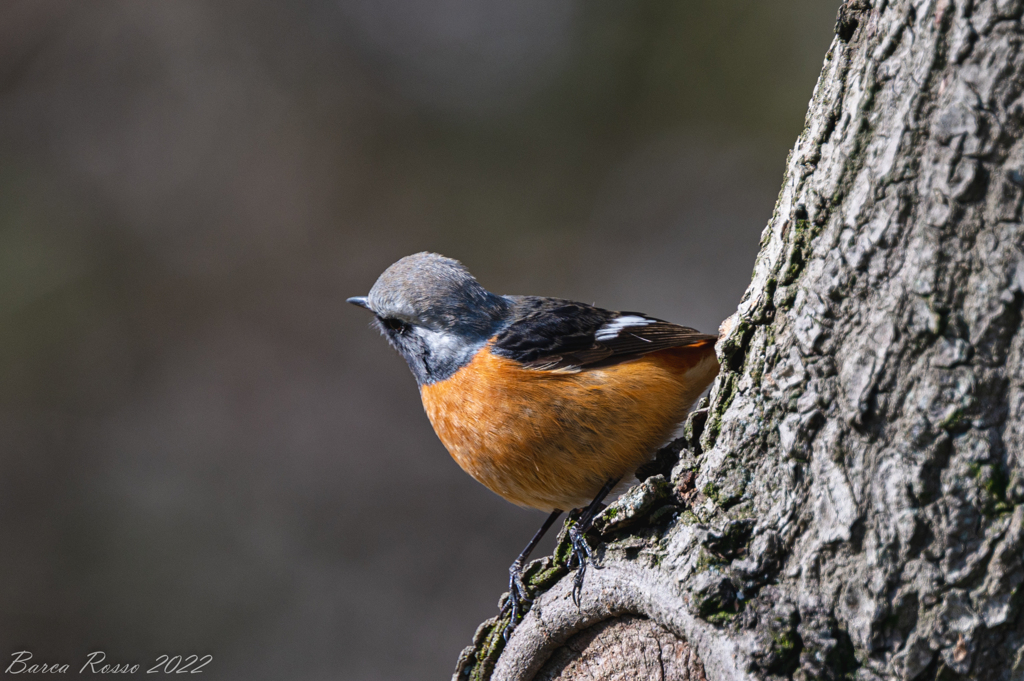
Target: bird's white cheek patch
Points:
(440, 343)
(617, 325)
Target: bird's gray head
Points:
(432, 310)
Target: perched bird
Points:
(547, 402)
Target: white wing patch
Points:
(616, 326)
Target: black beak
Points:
(360, 301)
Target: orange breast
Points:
(551, 440)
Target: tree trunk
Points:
(850, 504)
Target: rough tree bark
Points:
(851, 504)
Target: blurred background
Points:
(202, 448)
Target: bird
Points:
(549, 403)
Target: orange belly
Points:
(550, 440)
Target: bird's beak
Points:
(360, 301)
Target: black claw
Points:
(581, 555)
(580, 548)
(577, 585)
(517, 602)
(580, 558)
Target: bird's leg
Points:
(517, 597)
(581, 554)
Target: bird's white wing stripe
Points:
(616, 326)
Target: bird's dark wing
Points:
(549, 334)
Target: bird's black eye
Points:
(393, 324)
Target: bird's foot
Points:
(518, 602)
(580, 557)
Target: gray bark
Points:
(625, 648)
(852, 505)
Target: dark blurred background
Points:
(202, 448)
